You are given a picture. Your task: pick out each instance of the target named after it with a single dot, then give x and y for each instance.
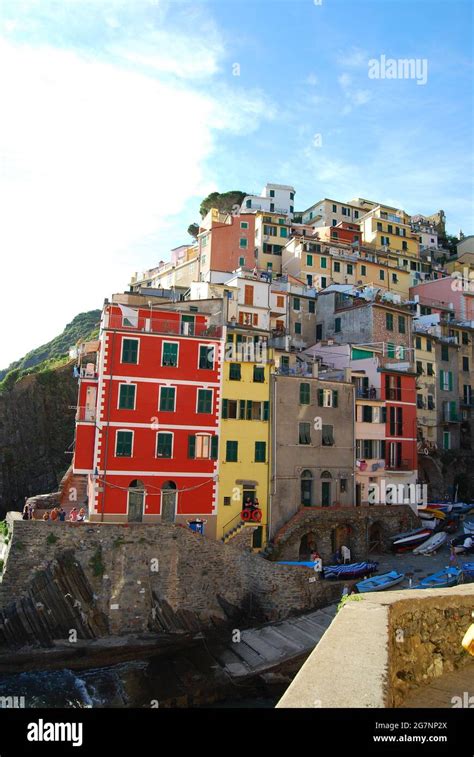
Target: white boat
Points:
(431, 544)
(469, 526)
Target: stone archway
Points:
(376, 540)
(168, 502)
(341, 535)
(136, 501)
(308, 545)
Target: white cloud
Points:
(97, 160)
(354, 58)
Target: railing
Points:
(293, 371)
(83, 413)
(368, 394)
(450, 417)
(160, 326)
(402, 465)
(227, 527)
(467, 401)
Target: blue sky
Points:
(119, 116)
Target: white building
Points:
(275, 198)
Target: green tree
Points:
(193, 229)
(223, 201)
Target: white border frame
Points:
(160, 457)
(127, 383)
(132, 339)
(167, 386)
(205, 389)
(129, 431)
(169, 341)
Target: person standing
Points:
(62, 514)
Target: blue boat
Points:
(446, 577)
(353, 570)
(378, 583)
(468, 569)
(301, 564)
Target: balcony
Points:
(368, 393)
(84, 414)
(466, 401)
(401, 465)
(155, 325)
(450, 416)
(286, 370)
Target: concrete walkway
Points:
(456, 688)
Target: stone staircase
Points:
(271, 645)
(233, 532)
(73, 490)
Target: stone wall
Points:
(110, 579)
(380, 647)
(363, 521)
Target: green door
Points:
(326, 493)
(135, 506)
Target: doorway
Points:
(136, 501)
(168, 502)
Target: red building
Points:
(147, 419)
(398, 389)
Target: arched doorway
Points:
(136, 501)
(340, 535)
(375, 538)
(168, 502)
(307, 546)
(326, 487)
(306, 488)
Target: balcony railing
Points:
(84, 414)
(402, 465)
(286, 370)
(368, 393)
(160, 326)
(467, 401)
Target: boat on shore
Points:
(378, 583)
(458, 544)
(432, 544)
(352, 570)
(468, 526)
(410, 539)
(468, 569)
(449, 576)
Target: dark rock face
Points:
(36, 429)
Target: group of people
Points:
(57, 513)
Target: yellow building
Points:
(389, 228)
(245, 432)
(426, 368)
(272, 231)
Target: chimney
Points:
(348, 375)
(315, 369)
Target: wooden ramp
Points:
(267, 647)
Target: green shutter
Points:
(304, 394)
(204, 401)
(334, 398)
(450, 380)
(320, 397)
(130, 351)
(441, 379)
(260, 452)
(242, 410)
(124, 444)
(170, 354)
(127, 397)
(452, 410)
(266, 411)
(164, 445)
(192, 447)
(225, 408)
(249, 410)
(214, 447)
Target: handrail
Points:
(224, 527)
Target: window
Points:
(405, 246)
(297, 328)
(127, 396)
(356, 215)
(428, 345)
(270, 231)
(379, 227)
(337, 325)
(244, 225)
(272, 207)
(465, 337)
(130, 351)
(446, 440)
(272, 193)
(248, 203)
(389, 321)
(394, 278)
(280, 301)
(429, 369)
(292, 195)
(419, 401)
(337, 266)
(204, 401)
(446, 381)
(258, 374)
(327, 397)
(334, 223)
(169, 354)
(381, 275)
(385, 241)
(304, 433)
(229, 408)
(327, 437)
(227, 501)
(234, 372)
(363, 270)
(350, 269)
(324, 263)
(203, 447)
(444, 352)
(309, 260)
(291, 208)
(319, 331)
(167, 398)
(324, 282)
(419, 367)
(418, 342)
(367, 413)
(296, 303)
(334, 208)
(401, 324)
(305, 393)
(260, 452)
(311, 306)
(465, 363)
(206, 357)
(123, 444)
(243, 243)
(309, 280)
(164, 445)
(241, 262)
(248, 294)
(390, 228)
(231, 451)
(431, 404)
(283, 231)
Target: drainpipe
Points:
(107, 425)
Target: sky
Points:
(119, 116)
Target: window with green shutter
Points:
(390, 350)
(335, 397)
(312, 306)
(206, 357)
(305, 391)
(337, 266)
(337, 325)
(297, 328)
(191, 447)
(296, 303)
(260, 452)
(204, 404)
(164, 445)
(304, 433)
(169, 355)
(309, 260)
(225, 408)
(248, 412)
(231, 452)
(167, 398)
(418, 342)
(234, 370)
(444, 352)
(124, 444)
(127, 396)
(324, 263)
(258, 374)
(401, 324)
(214, 447)
(242, 414)
(130, 351)
(389, 321)
(320, 397)
(266, 411)
(363, 270)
